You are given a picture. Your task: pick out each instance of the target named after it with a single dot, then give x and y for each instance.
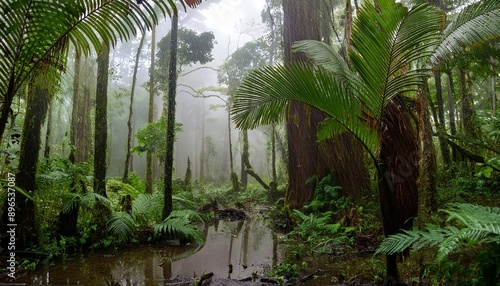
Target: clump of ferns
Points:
(468, 225)
(147, 211)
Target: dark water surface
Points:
(248, 246)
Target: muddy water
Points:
(248, 246)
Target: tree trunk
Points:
(172, 84)
(36, 111)
(440, 124)
(151, 111)
(244, 159)
(246, 162)
(101, 123)
(100, 138)
(233, 176)
(202, 148)
(300, 23)
(398, 170)
(469, 123)
(131, 112)
(339, 156)
(46, 151)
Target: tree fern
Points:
(480, 225)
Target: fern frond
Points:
(147, 208)
(397, 243)
(190, 215)
(180, 228)
(121, 225)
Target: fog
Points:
(233, 23)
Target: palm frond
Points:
(121, 225)
(263, 97)
(387, 39)
(476, 23)
(38, 31)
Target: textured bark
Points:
(46, 151)
(469, 124)
(341, 156)
(172, 85)
(128, 156)
(398, 168)
(151, 111)
(101, 123)
(300, 23)
(36, 111)
(441, 124)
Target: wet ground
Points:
(233, 249)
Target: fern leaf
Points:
(122, 226)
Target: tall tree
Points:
(131, 111)
(101, 137)
(338, 155)
(172, 86)
(151, 112)
(39, 94)
(366, 97)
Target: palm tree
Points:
(392, 51)
(36, 30)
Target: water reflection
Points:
(248, 246)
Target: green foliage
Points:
(327, 196)
(40, 31)
(122, 226)
(479, 225)
(87, 201)
(318, 233)
(287, 269)
(152, 137)
(179, 224)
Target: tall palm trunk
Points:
(131, 112)
(172, 85)
(398, 168)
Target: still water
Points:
(249, 246)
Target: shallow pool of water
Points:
(249, 246)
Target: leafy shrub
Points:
(479, 225)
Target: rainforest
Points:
(266, 142)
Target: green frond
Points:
(190, 215)
(121, 225)
(263, 97)
(70, 201)
(179, 227)
(387, 39)
(397, 243)
(481, 225)
(39, 31)
(476, 23)
(147, 208)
